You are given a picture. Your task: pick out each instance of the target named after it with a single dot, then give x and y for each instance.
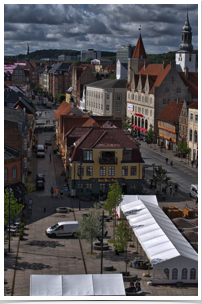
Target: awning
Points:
(137, 128)
(141, 129)
(145, 130)
(134, 127)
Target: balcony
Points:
(108, 160)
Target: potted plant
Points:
(21, 235)
(22, 224)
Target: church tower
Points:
(28, 58)
(138, 59)
(185, 58)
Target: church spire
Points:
(186, 39)
(28, 59)
(139, 51)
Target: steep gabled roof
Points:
(156, 72)
(64, 108)
(171, 112)
(191, 82)
(193, 105)
(139, 51)
(90, 123)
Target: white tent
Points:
(172, 257)
(77, 285)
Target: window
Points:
(132, 96)
(88, 155)
(88, 187)
(157, 273)
(178, 90)
(150, 112)
(128, 95)
(102, 171)
(139, 97)
(143, 98)
(102, 187)
(127, 154)
(99, 106)
(193, 274)
(25, 162)
(142, 110)
(80, 170)
(118, 97)
(124, 171)
(14, 172)
(191, 116)
(107, 108)
(196, 117)
(184, 273)
(136, 97)
(139, 110)
(25, 144)
(5, 174)
(174, 274)
(146, 111)
(195, 137)
(118, 108)
(102, 107)
(101, 95)
(190, 135)
(107, 96)
(89, 171)
(111, 171)
(133, 171)
(146, 98)
(166, 274)
(94, 105)
(80, 189)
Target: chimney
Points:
(186, 72)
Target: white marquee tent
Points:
(77, 285)
(172, 257)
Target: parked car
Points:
(40, 152)
(40, 177)
(40, 185)
(63, 229)
(193, 192)
(48, 142)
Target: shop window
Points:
(80, 189)
(88, 187)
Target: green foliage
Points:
(38, 88)
(113, 76)
(15, 208)
(30, 187)
(183, 147)
(114, 198)
(60, 97)
(160, 175)
(123, 236)
(127, 123)
(88, 229)
(151, 134)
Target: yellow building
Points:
(67, 97)
(106, 155)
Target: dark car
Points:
(40, 177)
(48, 142)
(40, 185)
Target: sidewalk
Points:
(169, 154)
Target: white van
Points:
(63, 229)
(193, 192)
(40, 151)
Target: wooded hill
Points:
(37, 55)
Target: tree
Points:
(15, 208)
(183, 148)
(151, 134)
(30, 187)
(123, 236)
(89, 227)
(38, 88)
(160, 175)
(114, 198)
(127, 123)
(113, 76)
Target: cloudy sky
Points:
(100, 26)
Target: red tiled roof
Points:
(108, 125)
(139, 49)
(91, 123)
(156, 72)
(86, 115)
(64, 108)
(191, 81)
(70, 121)
(171, 112)
(193, 105)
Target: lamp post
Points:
(102, 240)
(9, 217)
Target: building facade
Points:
(193, 130)
(124, 52)
(107, 155)
(107, 97)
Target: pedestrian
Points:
(171, 163)
(192, 163)
(51, 191)
(171, 188)
(56, 192)
(176, 186)
(186, 206)
(50, 156)
(61, 192)
(166, 160)
(131, 286)
(137, 286)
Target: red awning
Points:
(134, 127)
(137, 128)
(141, 129)
(145, 130)
(140, 115)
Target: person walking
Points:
(171, 188)
(50, 156)
(51, 191)
(61, 193)
(176, 186)
(166, 160)
(192, 163)
(171, 163)
(131, 286)
(56, 192)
